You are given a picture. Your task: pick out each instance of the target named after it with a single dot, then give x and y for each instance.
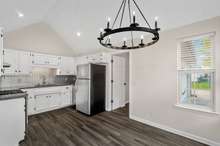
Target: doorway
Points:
(120, 80)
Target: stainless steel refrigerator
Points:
(91, 83)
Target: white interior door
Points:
(118, 82)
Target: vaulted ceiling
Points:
(67, 17)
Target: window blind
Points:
(196, 53)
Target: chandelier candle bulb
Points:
(109, 41)
(156, 25)
(142, 37)
(124, 43)
(134, 17)
(108, 23)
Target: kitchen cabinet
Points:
(46, 102)
(16, 62)
(44, 60)
(12, 121)
(67, 66)
(67, 97)
(99, 58)
(48, 98)
(1, 50)
(24, 62)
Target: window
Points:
(196, 72)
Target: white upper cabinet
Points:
(67, 66)
(16, 62)
(24, 62)
(9, 62)
(1, 50)
(98, 58)
(44, 60)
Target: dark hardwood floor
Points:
(66, 127)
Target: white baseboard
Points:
(175, 131)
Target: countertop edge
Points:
(13, 96)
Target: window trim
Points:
(194, 107)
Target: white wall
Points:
(154, 86)
(38, 37)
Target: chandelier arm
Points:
(141, 13)
(129, 9)
(122, 15)
(118, 14)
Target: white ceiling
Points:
(68, 17)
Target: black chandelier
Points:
(105, 36)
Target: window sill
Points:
(198, 109)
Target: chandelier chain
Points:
(122, 14)
(118, 14)
(129, 9)
(141, 13)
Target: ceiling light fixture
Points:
(78, 34)
(105, 36)
(20, 15)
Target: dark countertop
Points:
(45, 86)
(13, 96)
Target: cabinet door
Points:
(54, 100)
(10, 62)
(39, 59)
(45, 60)
(53, 60)
(41, 103)
(66, 96)
(1, 50)
(31, 105)
(24, 61)
(67, 99)
(67, 66)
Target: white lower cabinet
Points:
(12, 121)
(47, 99)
